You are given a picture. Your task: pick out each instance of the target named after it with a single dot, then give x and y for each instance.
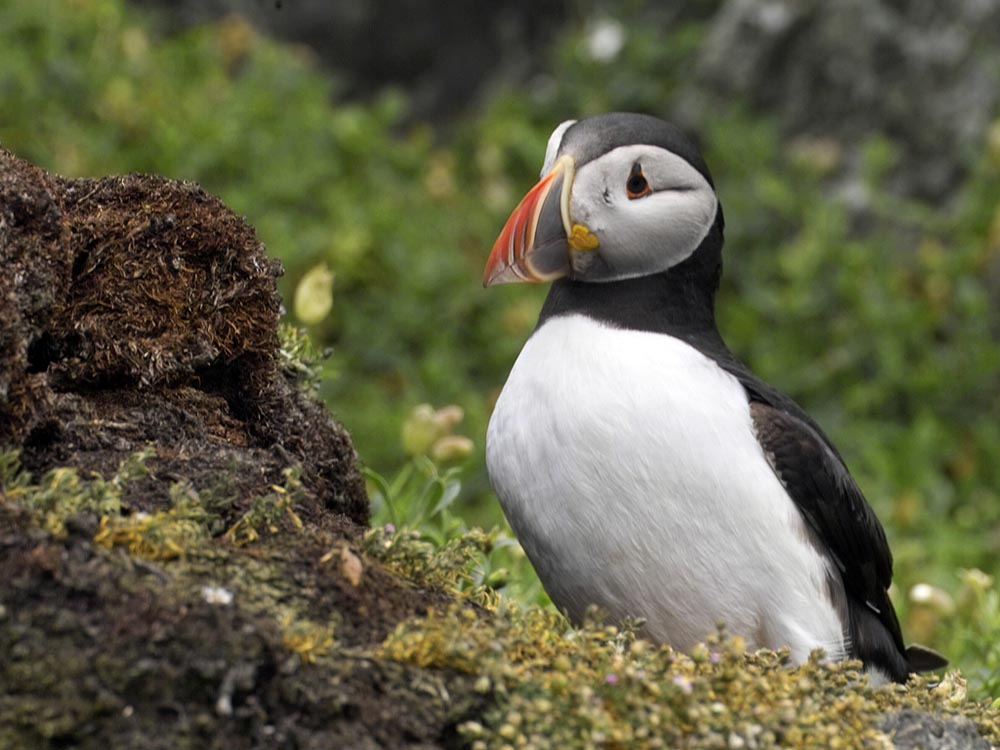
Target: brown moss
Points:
(138, 310)
(298, 638)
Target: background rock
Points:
(913, 730)
(925, 75)
(442, 54)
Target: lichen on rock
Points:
(215, 644)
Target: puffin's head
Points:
(621, 195)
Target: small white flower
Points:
(933, 597)
(217, 595)
(605, 39)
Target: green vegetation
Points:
(887, 342)
(63, 493)
(269, 512)
(418, 531)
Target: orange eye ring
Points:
(636, 186)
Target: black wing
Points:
(829, 499)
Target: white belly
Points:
(626, 463)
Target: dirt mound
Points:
(140, 311)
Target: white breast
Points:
(626, 463)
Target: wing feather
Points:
(826, 494)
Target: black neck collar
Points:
(679, 302)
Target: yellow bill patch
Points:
(582, 238)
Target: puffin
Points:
(644, 468)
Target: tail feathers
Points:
(923, 659)
(880, 644)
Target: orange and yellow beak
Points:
(534, 244)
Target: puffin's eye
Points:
(636, 186)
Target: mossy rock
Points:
(184, 560)
(177, 516)
(222, 641)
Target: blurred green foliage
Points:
(879, 321)
(414, 509)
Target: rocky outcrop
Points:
(180, 524)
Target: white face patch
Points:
(640, 236)
(555, 141)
